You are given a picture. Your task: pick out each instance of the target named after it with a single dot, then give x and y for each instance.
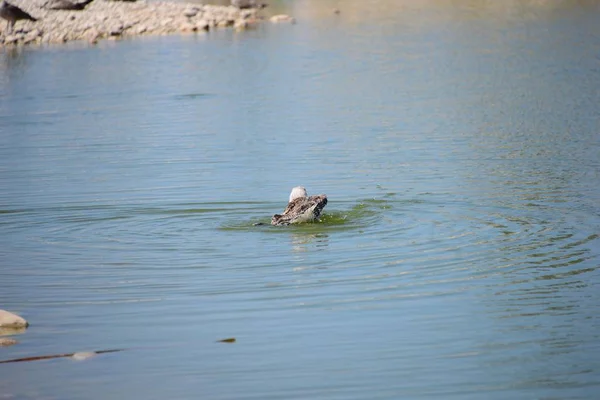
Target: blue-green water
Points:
(458, 256)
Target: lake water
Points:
(458, 257)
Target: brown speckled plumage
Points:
(301, 209)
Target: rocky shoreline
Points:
(104, 19)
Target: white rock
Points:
(10, 320)
(202, 25)
(282, 18)
(83, 355)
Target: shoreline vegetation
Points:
(112, 20)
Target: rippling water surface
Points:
(457, 258)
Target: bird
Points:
(301, 208)
(246, 4)
(13, 14)
(68, 5)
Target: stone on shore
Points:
(103, 19)
(10, 320)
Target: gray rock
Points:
(115, 30)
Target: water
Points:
(457, 258)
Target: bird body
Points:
(68, 5)
(301, 208)
(12, 14)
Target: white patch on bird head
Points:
(298, 191)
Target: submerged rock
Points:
(7, 342)
(10, 320)
(282, 18)
(8, 331)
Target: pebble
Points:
(104, 19)
(7, 341)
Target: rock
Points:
(7, 342)
(83, 355)
(190, 12)
(93, 36)
(12, 39)
(31, 36)
(243, 24)
(203, 25)
(8, 331)
(282, 18)
(240, 25)
(188, 27)
(115, 30)
(10, 320)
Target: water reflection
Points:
(305, 242)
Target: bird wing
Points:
(302, 204)
(297, 205)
